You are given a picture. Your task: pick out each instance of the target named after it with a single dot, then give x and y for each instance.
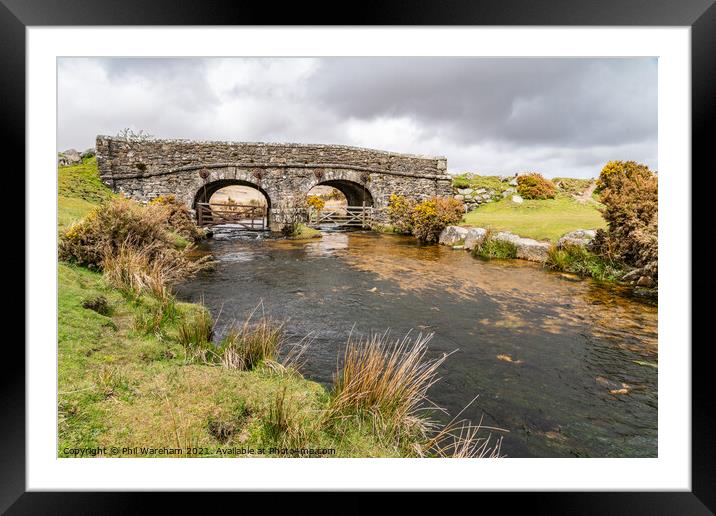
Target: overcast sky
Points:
(560, 117)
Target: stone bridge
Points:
(193, 170)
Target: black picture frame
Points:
(700, 15)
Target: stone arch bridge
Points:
(193, 170)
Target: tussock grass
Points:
(151, 269)
(246, 346)
(386, 381)
(579, 260)
(461, 439)
(489, 247)
(195, 334)
(258, 341)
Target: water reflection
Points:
(571, 344)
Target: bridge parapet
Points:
(119, 158)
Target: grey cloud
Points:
(530, 101)
(493, 115)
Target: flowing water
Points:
(568, 366)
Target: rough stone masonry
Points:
(194, 170)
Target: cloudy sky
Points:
(561, 117)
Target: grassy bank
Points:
(79, 189)
(127, 380)
(121, 386)
(547, 219)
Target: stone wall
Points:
(145, 169)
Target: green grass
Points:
(578, 260)
(119, 385)
(79, 190)
(572, 185)
(490, 248)
(304, 232)
(546, 219)
(468, 180)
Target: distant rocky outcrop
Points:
(73, 157)
(474, 197)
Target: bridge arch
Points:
(356, 194)
(206, 190)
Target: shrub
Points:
(316, 202)
(433, 215)
(579, 260)
(425, 219)
(111, 225)
(176, 216)
(400, 213)
(489, 247)
(534, 186)
(619, 169)
(629, 192)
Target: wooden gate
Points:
(245, 216)
(350, 216)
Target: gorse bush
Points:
(616, 169)
(433, 215)
(400, 213)
(121, 222)
(534, 186)
(316, 202)
(134, 245)
(425, 219)
(630, 195)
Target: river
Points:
(582, 380)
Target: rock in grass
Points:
(451, 235)
(527, 248)
(473, 237)
(69, 157)
(579, 237)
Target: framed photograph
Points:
(421, 250)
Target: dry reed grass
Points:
(387, 381)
